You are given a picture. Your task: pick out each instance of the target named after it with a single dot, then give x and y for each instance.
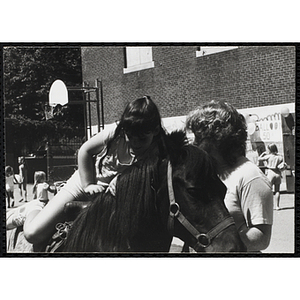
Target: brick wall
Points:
(249, 76)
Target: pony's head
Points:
(199, 195)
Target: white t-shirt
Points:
(42, 191)
(249, 197)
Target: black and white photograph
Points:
(148, 149)
(140, 141)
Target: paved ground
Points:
(283, 234)
(29, 195)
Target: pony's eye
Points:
(194, 191)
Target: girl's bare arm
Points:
(86, 163)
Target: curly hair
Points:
(219, 124)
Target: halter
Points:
(203, 239)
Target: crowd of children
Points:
(16, 217)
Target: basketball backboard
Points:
(58, 93)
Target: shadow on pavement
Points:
(285, 208)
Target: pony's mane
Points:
(92, 225)
(135, 198)
(111, 223)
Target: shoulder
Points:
(252, 184)
(95, 144)
(105, 134)
(267, 156)
(247, 172)
(255, 184)
(246, 168)
(109, 130)
(43, 185)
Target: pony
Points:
(156, 199)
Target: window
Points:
(201, 51)
(138, 58)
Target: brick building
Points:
(257, 80)
(248, 76)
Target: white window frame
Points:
(207, 50)
(138, 58)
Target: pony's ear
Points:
(176, 142)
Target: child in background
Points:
(23, 177)
(9, 185)
(17, 217)
(273, 160)
(41, 187)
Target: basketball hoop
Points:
(58, 93)
(48, 109)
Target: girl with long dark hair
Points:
(138, 133)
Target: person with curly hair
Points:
(221, 131)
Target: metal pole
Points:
(48, 160)
(90, 117)
(102, 106)
(98, 104)
(84, 114)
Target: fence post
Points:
(48, 161)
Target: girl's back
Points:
(9, 181)
(273, 161)
(42, 191)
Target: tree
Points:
(28, 75)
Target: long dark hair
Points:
(218, 123)
(141, 116)
(108, 223)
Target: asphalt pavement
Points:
(283, 230)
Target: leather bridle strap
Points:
(173, 203)
(203, 239)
